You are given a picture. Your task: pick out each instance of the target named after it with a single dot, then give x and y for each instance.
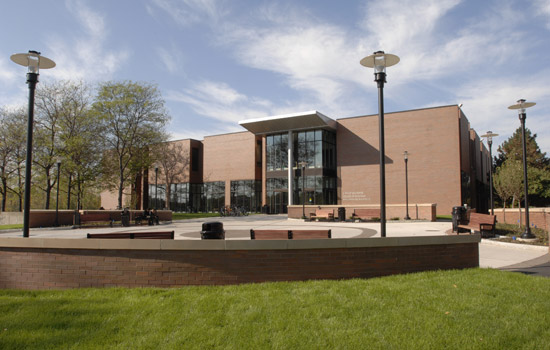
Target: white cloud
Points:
(85, 57)
(221, 102)
(189, 12)
(171, 58)
(543, 8)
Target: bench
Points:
(104, 218)
(481, 223)
(289, 234)
(365, 214)
(311, 234)
(134, 235)
(327, 214)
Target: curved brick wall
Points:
(33, 263)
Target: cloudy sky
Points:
(217, 62)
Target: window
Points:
(194, 159)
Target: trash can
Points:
(459, 217)
(341, 214)
(125, 218)
(212, 230)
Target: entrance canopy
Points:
(288, 122)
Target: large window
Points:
(318, 190)
(277, 195)
(184, 197)
(277, 152)
(247, 194)
(214, 195)
(316, 147)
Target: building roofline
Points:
(396, 112)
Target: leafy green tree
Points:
(538, 165)
(508, 182)
(133, 117)
(172, 161)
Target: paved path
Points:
(506, 256)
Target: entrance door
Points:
(278, 202)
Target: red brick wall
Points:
(431, 136)
(29, 268)
(539, 217)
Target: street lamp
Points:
(303, 165)
(489, 136)
(379, 61)
(34, 61)
(56, 223)
(406, 157)
(521, 106)
(156, 186)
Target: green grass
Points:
(187, 216)
(11, 227)
(468, 309)
(444, 217)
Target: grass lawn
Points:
(186, 216)
(467, 309)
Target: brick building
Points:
(258, 168)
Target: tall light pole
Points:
(489, 136)
(34, 62)
(406, 157)
(156, 186)
(56, 223)
(379, 61)
(521, 106)
(303, 165)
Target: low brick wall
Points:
(539, 217)
(73, 263)
(46, 218)
(416, 211)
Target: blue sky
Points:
(217, 62)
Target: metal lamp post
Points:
(303, 165)
(521, 106)
(489, 136)
(379, 61)
(34, 62)
(56, 223)
(406, 157)
(156, 186)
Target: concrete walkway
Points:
(506, 256)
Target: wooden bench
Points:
(481, 223)
(289, 234)
(365, 214)
(270, 234)
(327, 214)
(134, 235)
(103, 218)
(311, 234)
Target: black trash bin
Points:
(212, 230)
(341, 214)
(125, 218)
(459, 217)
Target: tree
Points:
(12, 129)
(172, 161)
(133, 117)
(508, 181)
(538, 165)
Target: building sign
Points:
(355, 196)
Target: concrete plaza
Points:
(507, 256)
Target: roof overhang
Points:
(288, 122)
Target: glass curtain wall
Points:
(214, 195)
(247, 194)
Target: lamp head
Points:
(521, 106)
(489, 136)
(379, 61)
(406, 155)
(33, 61)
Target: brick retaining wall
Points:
(224, 262)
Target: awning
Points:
(287, 122)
